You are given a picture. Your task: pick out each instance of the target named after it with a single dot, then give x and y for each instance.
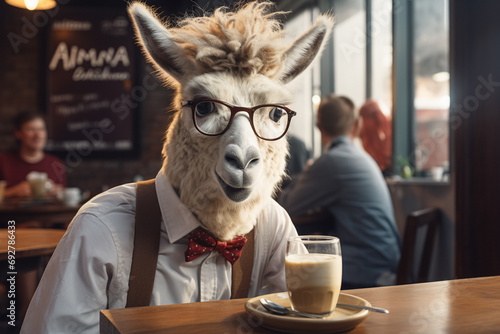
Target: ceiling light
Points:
(33, 4)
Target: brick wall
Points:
(21, 83)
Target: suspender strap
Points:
(146, 245)
(242, 269)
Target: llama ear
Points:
(157, 43)
(305, 48)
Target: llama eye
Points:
(275, 114)
(205, 108)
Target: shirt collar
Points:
(177, 218)
(335, 141)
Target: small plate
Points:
(341, 320)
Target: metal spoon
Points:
(369, 308)
(278, 309)
(281, 310)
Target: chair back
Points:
(417, 221)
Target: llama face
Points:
(239, 59)
(238, 165)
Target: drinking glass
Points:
(313, 268)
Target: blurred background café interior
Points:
(430, 65)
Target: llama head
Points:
(239, 59)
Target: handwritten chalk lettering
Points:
(70, 59)
(104, 74)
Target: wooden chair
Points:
(415, 222)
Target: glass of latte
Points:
(313, 267)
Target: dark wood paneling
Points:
(475, 131)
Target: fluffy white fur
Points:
(239, 57)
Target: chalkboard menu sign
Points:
(91, 73)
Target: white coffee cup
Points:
(72, 196)
(437, 173)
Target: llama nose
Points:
(237, 159)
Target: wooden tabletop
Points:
(30, 242)
(30, 204)
(47, 212)
(457, 306)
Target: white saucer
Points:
(341, 320)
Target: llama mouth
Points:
(234, 194)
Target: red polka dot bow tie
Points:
(201, 242)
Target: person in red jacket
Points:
(376, 134)
(31, 135)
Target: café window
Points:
(380, 84)
(432, 85)
(349, 50)
(302, 87)
(360, 59)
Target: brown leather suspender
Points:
(242, 270)
(146, 246)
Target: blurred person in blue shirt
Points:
(347, 183)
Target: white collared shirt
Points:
(89, 270)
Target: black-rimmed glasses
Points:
(213, 117)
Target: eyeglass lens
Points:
(212, 118)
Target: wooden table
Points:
(30, 243)
(31, 246)
(457, 306)
(48, 213)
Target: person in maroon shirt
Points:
(31, 134)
